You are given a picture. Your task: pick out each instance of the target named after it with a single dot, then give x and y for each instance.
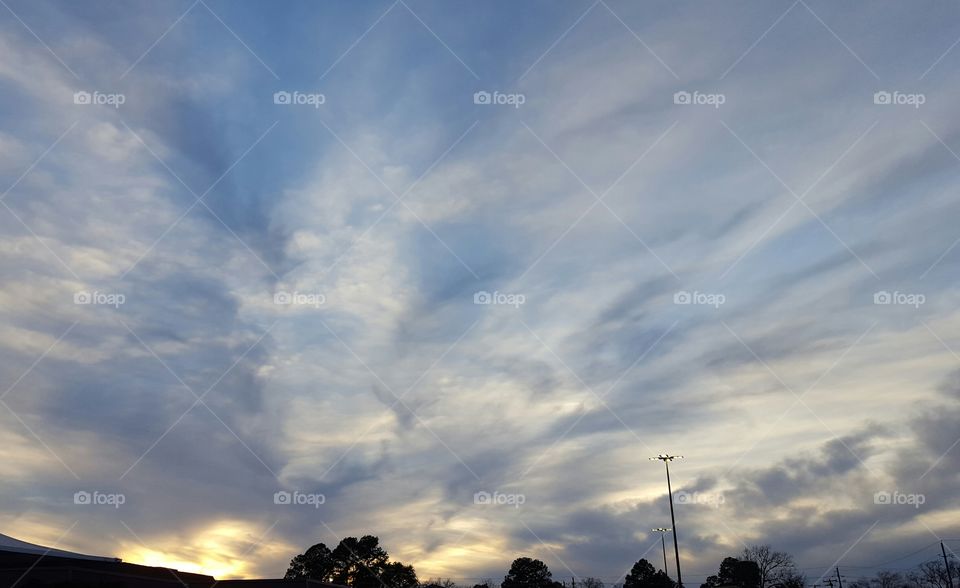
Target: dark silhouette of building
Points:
(26, 565)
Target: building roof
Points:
(9, 544)
(20, 560)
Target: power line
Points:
(881, 564)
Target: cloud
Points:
(395, 395)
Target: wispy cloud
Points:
(558, 251)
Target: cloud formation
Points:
(763, 285)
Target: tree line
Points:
(929, 574)
(363, 563)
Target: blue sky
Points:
(210, 297)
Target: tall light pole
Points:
(946, 565)
(666, 459)
(663, 546)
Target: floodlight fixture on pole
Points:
(663, 546)
(666, 459)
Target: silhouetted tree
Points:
(398, 575)
(439, 583)
(885, 579)
(792, 579)
(590, 582)
(644, 575)
(776, 567)
(734, 572)
(933, 574)
(358, 563)
(363, 560)
(528, 573)
(485, 583)
(316, 562)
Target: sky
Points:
(449, 273)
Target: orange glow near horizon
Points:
(224, 550)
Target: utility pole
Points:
(666, 459)
(663, 546)
(946, 565)
(839, 581)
